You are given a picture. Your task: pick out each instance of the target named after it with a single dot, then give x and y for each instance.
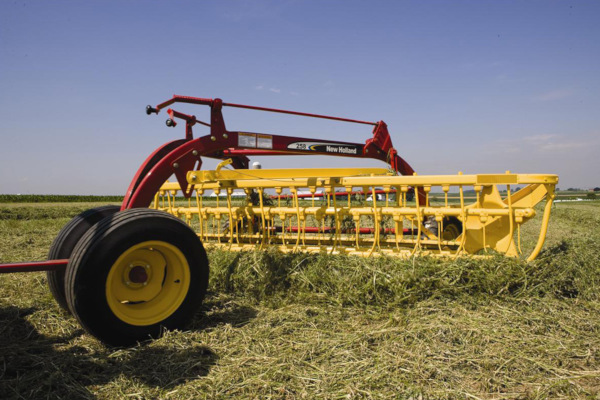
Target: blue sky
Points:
(473, 86)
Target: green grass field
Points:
(302, 326)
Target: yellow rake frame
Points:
(455, 215)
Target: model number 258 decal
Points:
(337, 148)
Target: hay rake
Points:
(126, 272)
(360, 224)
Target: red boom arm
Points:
(184, 155)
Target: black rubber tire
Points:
(97, 252)
(65, 242)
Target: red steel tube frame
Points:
(222, 144)
(337, 194)
(182, 155)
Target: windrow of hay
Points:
(570, 269)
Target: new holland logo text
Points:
(321, 147)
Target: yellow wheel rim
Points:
(148, 283)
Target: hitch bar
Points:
(33, 266)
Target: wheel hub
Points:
(138, 274)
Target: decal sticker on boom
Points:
(246, 139)
(264, 141)
(336, 148)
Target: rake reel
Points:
(128, 273)
(336, 219)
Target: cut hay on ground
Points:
(301, 326)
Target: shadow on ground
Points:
(34, 366)
(221, 310)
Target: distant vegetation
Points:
(56, 198)
(570, 193)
